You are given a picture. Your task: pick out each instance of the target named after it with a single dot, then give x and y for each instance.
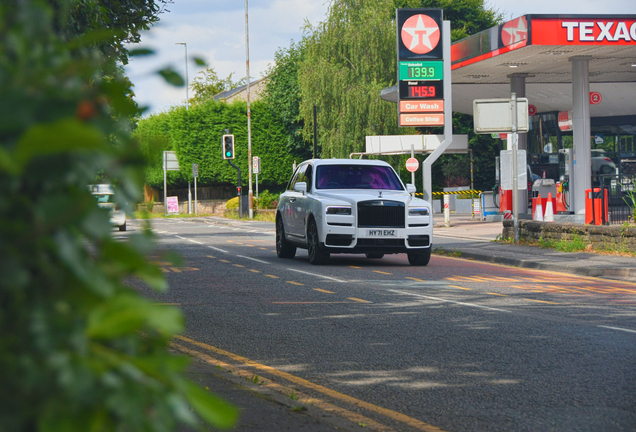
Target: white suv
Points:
(352, 206)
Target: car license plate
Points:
(381, 233)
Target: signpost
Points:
(424, 78)
(195, 174)
(505, 115)
(256, 169)
(170, 163)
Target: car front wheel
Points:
(316, 254)
(420, 259)
(283, 248)
(123, 227)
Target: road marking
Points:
(182, 238)
(175, 269)
(263, 248)
(217, 249)
(272, 276)
(381, 272)
(450, 301)
(355, 267)
(307, 302)
(618, 328)
(254, 271)
(458, 287)
(540, 301)
(358, 300)
(238, 265)
(250, 245)
(295, 283)
(325, 291)
(502, 295)
(317, 275)
(417, 424)
(225, 261)
(253, 259)
(194, 241)
(210, 256)
(415, 279)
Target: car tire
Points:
(317, 255)
(375, 255)
(420, 259)
(284, 249)
(123, 227)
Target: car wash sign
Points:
(420, 67)
(573, 30)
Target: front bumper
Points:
(341, 239)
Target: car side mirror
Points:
(300, 187)
(410, 188)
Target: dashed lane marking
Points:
(497, 294)
(458, 287)
(316, 275)
(358, 300)
(324, 291)
(225, 261)
(381, 272)
(450, 301)
(217, 249)
(295, 283)
(253, 259)
(254, 270)
(238, 265)
(540, 301)
(210, 256)
(415, 279)
(618, 328)
(272, 276)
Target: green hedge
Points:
(195, 135)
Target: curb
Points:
(624, 274)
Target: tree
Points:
(208, 84)
(282, 95)
(79, 349)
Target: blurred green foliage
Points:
(79, 349)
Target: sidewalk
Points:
(481, 247)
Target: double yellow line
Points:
(242, 362)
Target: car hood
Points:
(353, 196)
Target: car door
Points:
(293, 214)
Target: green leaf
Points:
(171, 77)
(200, 62)
(211, 408)
(139, 52)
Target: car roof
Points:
(365, 162)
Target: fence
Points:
(621, 196)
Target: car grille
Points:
(380, 242)
(380, 213)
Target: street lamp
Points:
(185, 45)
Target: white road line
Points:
(194, 241)
(317, 275)
(182, 238)
(217, 249)
(253, 259)
(449, 301)
(618, 328)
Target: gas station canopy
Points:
(541, 49)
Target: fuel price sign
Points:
(412, 70)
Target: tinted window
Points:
(356, 177)
(298, 177)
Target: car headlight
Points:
(339, 211)
(418, 211)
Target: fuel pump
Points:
(566, 169)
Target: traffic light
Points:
(228, 146)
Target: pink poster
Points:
(173, 205)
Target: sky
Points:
(214, 30)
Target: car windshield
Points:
(104, 198)
(356, 177)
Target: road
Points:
(454, 346)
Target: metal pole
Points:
(472, 187)
(186, 67)
(249, 116)
(165, 182)
(515, 178)
(413, 173)
(315, 133)
(189, 199)
(195, 197)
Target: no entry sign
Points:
(412, 164)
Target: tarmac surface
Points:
(263, 409)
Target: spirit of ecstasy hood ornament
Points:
(380, 194)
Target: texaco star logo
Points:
(514, 31)
(420, 34)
